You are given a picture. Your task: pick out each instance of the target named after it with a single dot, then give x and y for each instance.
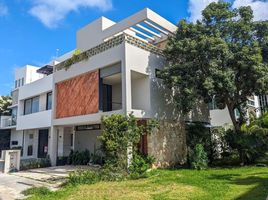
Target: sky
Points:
(35, 31)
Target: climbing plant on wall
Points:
(120, 134)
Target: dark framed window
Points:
(30, 150)
(14, 143)
(49, 101)
(22, 82)
(16, 83)
(31, 105)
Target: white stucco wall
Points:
(28, 141)
(36, 88)
(220, 117)
(87, 140)
(34, 120)
(140, 89)
(16, 136)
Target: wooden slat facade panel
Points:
(78, 96)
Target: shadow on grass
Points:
(260, 185)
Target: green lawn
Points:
(249, 183)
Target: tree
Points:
(221, 57)
(5, 101)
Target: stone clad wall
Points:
(168, 144)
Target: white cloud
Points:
(259, 7)
(3, 9)
(196, 7)
(51, 12)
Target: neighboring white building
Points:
(222, 118)
(56, 110)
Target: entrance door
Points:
(43, 143)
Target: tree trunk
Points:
(237, 130)
(236, 124)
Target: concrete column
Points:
(60, 141)
(74, 132)
(126, 83)
(52, 145)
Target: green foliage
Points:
(140, 165)
(198, 158)
(252, 142)
(94, 176)
(84, 177)
(35, 163)
(247, 183)
(76, 57)
(40, 191)
(119, 133)
(197, 133)
(221, 57)
(5, 101)
(79, 158)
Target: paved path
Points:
(11, 185)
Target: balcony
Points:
(7, 122)
(35, 120)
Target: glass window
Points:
(19, 83)
(16, 83)
(49, 101)
(27, 106)
(31, 105)
(35, 104)
(22, 81)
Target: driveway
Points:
(11, 185)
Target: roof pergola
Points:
(146, 25)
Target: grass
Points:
(246, 183)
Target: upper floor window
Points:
(31, 105)
(16, 83)
(22, 81)
(19, 83)
(49, 101)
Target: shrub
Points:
(84, 177)
(94, 176)
(140, 165)
(250, 145)
(40, 191)
(198, 133)
(35, 163)
(198, 158)
(79, 158)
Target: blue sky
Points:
(32, 30)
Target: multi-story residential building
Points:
(58, 107)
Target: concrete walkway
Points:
(11, 185)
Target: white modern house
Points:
(58, 107)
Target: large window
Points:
(31, 105)
(49, 101)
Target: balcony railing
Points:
(8, 122)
